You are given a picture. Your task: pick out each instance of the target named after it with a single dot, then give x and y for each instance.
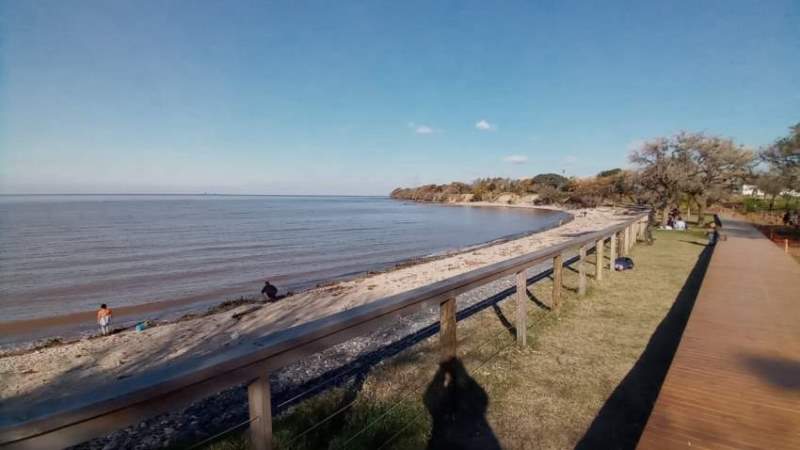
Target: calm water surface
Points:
(63, 254)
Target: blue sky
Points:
(360, 97)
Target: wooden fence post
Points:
(632, 238)
(627, 243)
(558, 265)
(522, 308)
(624, 241)
(612, 253)
(447, 332)
(258, 399)
(598, 251)
(582, 271)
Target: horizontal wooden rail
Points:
(132, 400)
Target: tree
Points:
(661, 175)
(783, 157)
(548, 195)
(772, 184)
(715, 166)
(551, 179)
(622, 186)
(703, 168)
(590, 192)
(596, 191)
(526, 186)
(609, 173)
(456, 188)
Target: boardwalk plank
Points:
(735, 379)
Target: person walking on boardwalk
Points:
(713, 234)
(269, 291)
(104, 319)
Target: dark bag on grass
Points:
(623, 263)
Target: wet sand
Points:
(20, 334)
(75, 322)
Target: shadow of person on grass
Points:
(621, 420)
(457, 405)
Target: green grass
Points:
(545, 395)
(755, 204)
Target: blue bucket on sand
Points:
(141, 326)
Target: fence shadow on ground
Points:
(363, 363)
(621, 420)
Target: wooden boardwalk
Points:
(734, 382)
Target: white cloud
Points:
(483, 125)
(570, 159)
(516, 159)
(421, 129)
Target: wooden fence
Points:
(252, 367)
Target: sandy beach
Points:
(63, 370)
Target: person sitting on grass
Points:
(269, 291)
(104, 319)
(670, 223)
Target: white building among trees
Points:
(751, 190)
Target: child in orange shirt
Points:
(104, 318)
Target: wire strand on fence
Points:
(404, 388)
(353, 370)
(223, 432)
(329, 381)
(401, 430)
(419, 414)
(326, 419)
(408, 392)
(416, 389)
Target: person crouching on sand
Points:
(104, 319)
(269, 291)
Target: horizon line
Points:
(206, 194)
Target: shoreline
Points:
(72, 327)
(37, 382)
